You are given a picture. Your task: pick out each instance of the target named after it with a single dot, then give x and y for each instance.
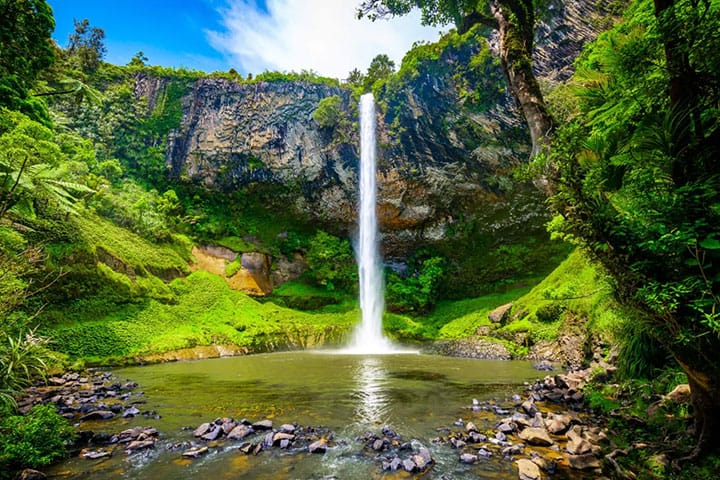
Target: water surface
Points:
(414, 394)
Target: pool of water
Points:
(414, 394)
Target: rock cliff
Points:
(448, 134)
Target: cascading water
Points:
(369, 337)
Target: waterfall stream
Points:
(368, 337)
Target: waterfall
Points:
(369, 337)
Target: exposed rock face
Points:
(447, 139)
(253, 277)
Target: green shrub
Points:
(331, 262)
(33, 440)
(417, 292)
(23, 357)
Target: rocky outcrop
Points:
(252, 277)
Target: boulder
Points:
(202, 429)
(527, 470)
(584, 462)
(319, 446)
(558, 423)
(577, 444)
(536, 436)
(280, 436)
(263, 425)
(529, 407)
(287, 428)
(212, 434)
(408, 465)
(468, 458)
(240, 432)
(500, 314)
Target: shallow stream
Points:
(417, 395)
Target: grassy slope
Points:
(205, 312)
(575, 287)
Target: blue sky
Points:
(248, 35)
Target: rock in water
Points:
(536, 436)
(195, 452)
(202, 429)
(319, 446)
(263, 425)
(240, 432)
(527, 470)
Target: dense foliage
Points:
(639, 183)
(34, 440)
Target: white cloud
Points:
(320, 35)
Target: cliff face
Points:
(448, 135)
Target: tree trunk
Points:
(704, 381)
(516, 24)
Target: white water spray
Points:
(369, 337)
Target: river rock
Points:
(136, 445)
(515, 449)
(98, 415)
(393, 465)
(507, 426)
(195, 451)
(95, 454)
(319, 446)
(202, 429)
(212, 434)
(240, 432)
(558, 423)
(426, 456)
(228, 426)
(584, 462)
(529, 407)
(263, 425)
(547, 465)
(470, 427)
(468, 458)
(536, 436)
(409, 465)
(287, 428)
(527, 470)
(280, 436)
(577, 445)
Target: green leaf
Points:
(710, 243)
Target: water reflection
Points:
(371, 379)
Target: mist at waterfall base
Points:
(368, 337)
